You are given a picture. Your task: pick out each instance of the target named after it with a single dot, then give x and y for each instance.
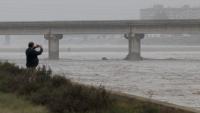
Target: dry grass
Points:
(10, 103)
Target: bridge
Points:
(133, 30)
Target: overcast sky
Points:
(35, 10)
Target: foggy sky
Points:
(36, 10)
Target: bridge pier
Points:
(134, 46)
(53, 45)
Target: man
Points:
(31, 55)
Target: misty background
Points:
(57, 10)
(36, 10)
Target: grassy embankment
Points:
(59, 95)
(10, 103)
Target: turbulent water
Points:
(167, 73)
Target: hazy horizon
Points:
(41, 10)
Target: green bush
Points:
(57, 93)
(149, 108)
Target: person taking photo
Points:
(32, 60)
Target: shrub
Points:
(149, 109)
(56, 92)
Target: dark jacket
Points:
(31, 57)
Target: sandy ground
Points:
(172, 76)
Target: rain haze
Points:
(34, 10)
(169, 68)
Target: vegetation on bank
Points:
(60, 95)
(10, 103)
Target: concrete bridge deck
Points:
(134, 31)
(100, 27)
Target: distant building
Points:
(160, 12)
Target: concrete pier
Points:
(134, 46)
(53, 45)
